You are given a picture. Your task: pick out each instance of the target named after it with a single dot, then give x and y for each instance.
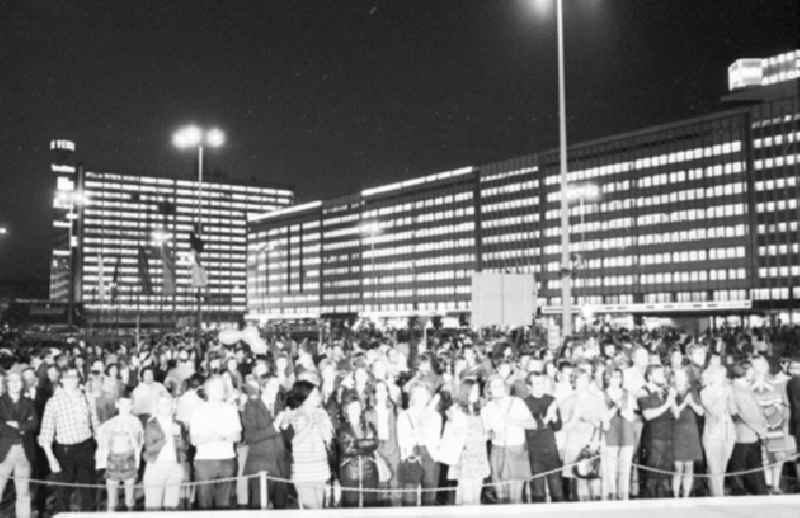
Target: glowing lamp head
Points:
(215, 137)
(188, 136)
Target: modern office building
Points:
(695, 217)
(123, 227)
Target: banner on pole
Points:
(168, 271)
(144, 271)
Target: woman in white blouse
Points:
(719, 433)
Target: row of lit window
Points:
(509, 205)
(513, 237)
(782, 249)
(582, 209)
(207, 216)
(778, 161)
(696, 173)
(510, 221)
(772, 206)
(775, 293)
(691, 194)
(650, 161)
(693, 276)
(347, 218)
(693, 234)
(421, 248)
(593, 226)
(616, 186)
(779, 271)
(717, 211)
(776, 140)
(211, 243)
(509, 255)
(778, 183)
(187, 183)
(510, 188)
(165, 308)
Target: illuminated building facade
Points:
(65, 175)
(694, 217)
(116, 215)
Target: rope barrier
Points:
(650, 469)
(54, 483)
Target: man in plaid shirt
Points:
(68, 427)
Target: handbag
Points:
(384, 471)
(409, 470)
(587, 465)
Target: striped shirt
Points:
(68, 419)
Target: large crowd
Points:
(179, 422)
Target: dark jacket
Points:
(266, 450)
(793, 393)
(541, 442)
(155, 439)
(24, 413)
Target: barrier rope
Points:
(791, 458)
(54, 483)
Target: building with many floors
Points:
(698, 216)
(110, 230)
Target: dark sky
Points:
(332, 96)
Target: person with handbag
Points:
(773, 400)
(418, 432)
(751, 428)
(165, 448)
(506, 418)
(582, 415)
(463, 445)
(541, 442)
(383, 413)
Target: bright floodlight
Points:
(215, 137)
(188, 136)
(3, 230)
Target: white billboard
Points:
(503, 299)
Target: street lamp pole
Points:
(566, 266)
(196, 137)
(198, 226)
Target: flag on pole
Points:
(199, 276)
(101, 279)
(144, 271)
(115, 282)
(168, 270)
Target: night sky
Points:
(332, 96)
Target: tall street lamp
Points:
(189, 137)
(566, 266)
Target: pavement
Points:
(777, 506)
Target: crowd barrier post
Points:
(419, 495)
(360, 481)
(262, 489)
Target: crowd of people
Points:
(185, 423)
